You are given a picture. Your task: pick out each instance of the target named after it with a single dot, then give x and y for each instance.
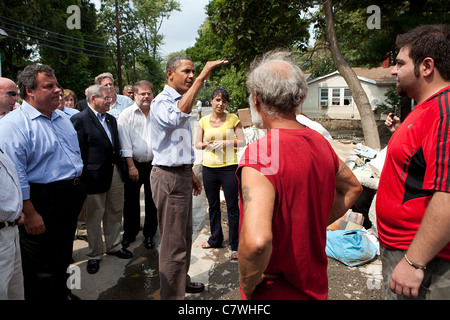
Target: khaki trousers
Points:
(11, 278)
(172, 194)
(106, 208)
(435, 285)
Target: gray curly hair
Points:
(278, 83)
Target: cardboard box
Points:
(350, 220)
(244, 117)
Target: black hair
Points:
(223, 92)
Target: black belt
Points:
(4, 224)
(59, 184)
(71, 182)
(143, 164)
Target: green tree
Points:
(368, 47)
(38, 31)
(209, 47)
(240, 30)
(233, 81)
(356, 43)
(139, 25)
(252, 27)
(14, 51)
(151, 15)
(392, 102)
(369, 126)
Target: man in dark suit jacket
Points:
(102, 174)
(82, 104)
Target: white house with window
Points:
(330, 95)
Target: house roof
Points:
(377, 76)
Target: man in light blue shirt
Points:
(43, 145)
(174, 147)
(43, 149)
(172, 179)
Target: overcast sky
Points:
(180, 30)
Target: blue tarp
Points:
(351, 247)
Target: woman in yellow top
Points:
(216, 135)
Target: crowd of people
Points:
(71, 168)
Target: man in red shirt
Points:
(292, 185)
(413, 199)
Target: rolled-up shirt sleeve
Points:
(10, 194)
(17, 152)
(171, 130)
(169, 116)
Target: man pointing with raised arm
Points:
(172, 178)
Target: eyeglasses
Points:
(104, 98)
(10, 93)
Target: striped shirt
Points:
(417, 165)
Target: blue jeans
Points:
(213, 179)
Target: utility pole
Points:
(119, 58)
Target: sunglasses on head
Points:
(10, 93)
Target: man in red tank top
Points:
(292, 185)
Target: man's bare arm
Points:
(255, 244)
(432, 236)
(187, 102)
(347, 190)
(34, 224)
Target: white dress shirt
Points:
(102, 119)
(11, 193)
(135, 134)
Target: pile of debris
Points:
(352, 239)
(354, 244)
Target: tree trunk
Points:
(368, 123)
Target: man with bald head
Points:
(8, 96)
(287, 199)
(11, 279)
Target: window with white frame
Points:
(324, 97)
(339, 97)
(336, 98)
(347, 97)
